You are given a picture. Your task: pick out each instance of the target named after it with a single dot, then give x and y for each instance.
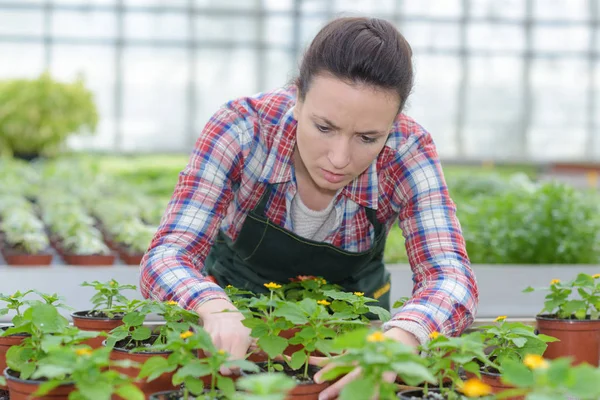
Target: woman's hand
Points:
(225, 328)
(334, 390)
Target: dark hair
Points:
(360, 50)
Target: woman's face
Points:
(341, 129)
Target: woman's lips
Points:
(331, 177)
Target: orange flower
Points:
(376, 337)
(535, 361)
(475, 388)
(554, 281)
(186, 335)
(434, 335)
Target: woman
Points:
(308, 180)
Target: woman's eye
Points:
(322, 128)
(368, 139)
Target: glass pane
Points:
(156, 26)
(558, 120)
(279, 5)
(483, 36)
(242, 28)
(280, 69)
(84, 24)
(223, 76)
(561, 39)
(157, 3)
(433, 102)
(309, 27)
(498, 8)
(97, 67)
(310, 6)
(278, 30)
(235, 4)
(87, 2)
(154, 101)
(431, 35)
(561, 9)
(30, 22)
(369, 7)
(437, 8)
(21, 60)
(493, 108)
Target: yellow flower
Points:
(113, 283)
(475, 388)
(359, 294)
(434, 335)
(554, 281)
(272, 285)
(535, 361)
(323, 282)
(186, 335)
(171, 303)
(596, 276)
(221, 352)
(228, 286)
(83, 352)
(323, 302)
(500, 318)
(376, 337)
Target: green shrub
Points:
(549, 223)
(37, 116)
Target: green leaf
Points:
(413, 373)
(226, 385)
(292, 312)
(141, 333)
(383, 314)
(95, 390)
(134, 318)
(358, 389)
(517, 374)
(574, 305)
(194, 369)
(272, 345)
(196, 386)
(154, 367)
(298, 359)
(130, 392)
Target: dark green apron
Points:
(264, 252)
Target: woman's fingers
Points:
(334, 390)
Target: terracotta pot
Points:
(14, 258)
(160, 384)
(131, 259)
(417, 393)
(308, 391)
(21, 389)
(94, 324)
(89, 260)
(579, 339)
(6, 342)
(494, 381)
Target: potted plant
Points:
(79, 372)
(134, 341)
(355, 306)
(39, 114)
(574, 321)
(45, 329)
(307, 286)
(199, 377)
(446, 356)
(508, 341)
(376, 355)
(24, 241)
(109, 308)
(558, 379)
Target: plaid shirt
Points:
(249, 143)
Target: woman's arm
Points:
(445, 294)
(171, 268)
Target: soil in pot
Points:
(579, 339)
(96, 321)
(20, 389)
(4, 394)
(433, 394)
(122, 351)
(5, 343)
(176, 395)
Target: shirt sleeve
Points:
(171, 268)
(445, 294)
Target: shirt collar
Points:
(363, 190)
